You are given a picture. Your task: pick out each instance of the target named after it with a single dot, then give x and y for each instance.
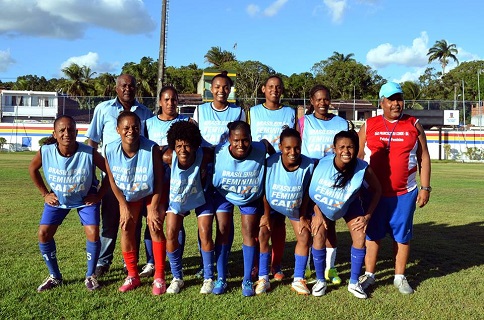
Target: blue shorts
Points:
(255, 207)
(89, 215)
(393, 215)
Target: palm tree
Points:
(216, 57)
(442, 51)
(79, 79)
(105, 85)
(341, 57)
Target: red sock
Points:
(159, 253)
(278, 239)
(131, 263)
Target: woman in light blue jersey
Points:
(212, 117)
(238, 177)
(188, 189)
(69, 170)
(318, 128)
(156, 129)
(266, 122)
(286, 192)
(136, 174)
(334, 188)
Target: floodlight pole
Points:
(463, 104)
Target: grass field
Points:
(446, 265)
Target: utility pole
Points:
(161, 56)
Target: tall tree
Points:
(216, 57)
(442, 51)
(341, 57)
(79, 78)
(105, 85)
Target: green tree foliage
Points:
(442, 51)
(347, 78)
(216, 57)
(412, 92)
(341, 57)
(184, 79)
(250, 78)
(79, 79)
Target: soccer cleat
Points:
(101, 270)
(319, 289)
(130, 283)
(147, 271)
(278, 276)
(262, 286)
(49, 283)
(357, 291)
(219, 287)
(331, 275)
(300, 287)
(175, 286)
(366, 281)
(91, 283)
(247, 288)
(207, 286)
(159, 287)
(402, 285)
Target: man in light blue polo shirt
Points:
(103, 129)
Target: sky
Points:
(41, 37)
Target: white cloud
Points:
(253, 10)
(411, 56)
(274, 8)
(270, 11)
(6, 60)
(411, 75)
(336, 9)
(90, 60)
(68, 19)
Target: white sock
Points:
(330, 257)
(370, 274)
(399, 277)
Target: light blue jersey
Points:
(104, 120)
(317, 135)
(334, 202)
(268, 124)
(285, 189)
(213, 123)
(70, 178)
(186, 191)
(240, 181)
(133, 176)
(156, 129)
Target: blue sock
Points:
(176, 266)
(300, 263)
(48, 251)
(181, 240)
(92, 250)
(149, 247)
(357, 260)
(207, 257)
(264, 258)
(319, 258)
(222, 254)
(248, 253)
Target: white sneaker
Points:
(147, 271)
(319, 289)
(357, 291)
(262, 286)
(402, 285)
(299, 286)
(207, 286)
(175, 286)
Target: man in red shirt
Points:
(395, 146)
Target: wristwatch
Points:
(429, 188)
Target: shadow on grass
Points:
(436, 250)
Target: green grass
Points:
(446, 265)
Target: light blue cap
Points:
(389, 89)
